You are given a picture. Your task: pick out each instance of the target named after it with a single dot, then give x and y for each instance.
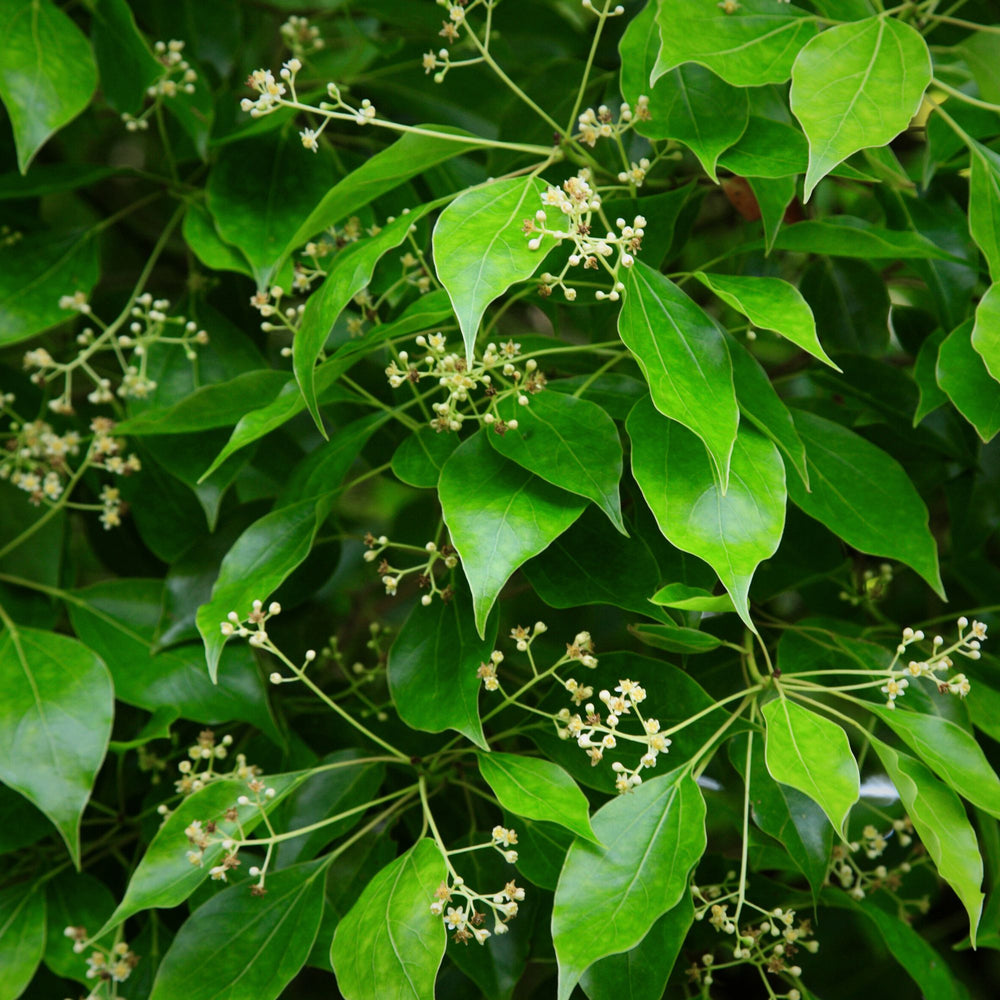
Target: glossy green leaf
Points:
(35, 273)
(73, 899)
(542, 850)
(47, 74)
(22, 937)
(811, 754)
(489, 218)
(240, 947)
(651, 839)
(499, 516)
(684, 359)
(962, 374)
(863, 495)
(418, 461)
(950, 752)
(847, 236)
(389, 945)
(675, 639)
(409, 155)
(263, 556)
(165, 877)
(932, 397)
(769, 149)
(786, 814)
(641, 973)
(857, 85)
(733, 532)
(764, 408)
(770, 304)
(432, 667)
(984, 204)
(48, 178)
(126, 64)
(208, 246)
(569, 442)
(685, 598)
(117, 619)
(851, 305)
(57, 710)
(349, 273)
(755, 45)
(262, 226)
(944, 829)
(774, 195)
(986, 332)
(537, 789)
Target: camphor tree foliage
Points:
(499, 499)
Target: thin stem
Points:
(744, 850)
(955, 92)
(959, 22)
(602, 16)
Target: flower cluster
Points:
(497, 375)
(577, 202)
(177, 77)
(523, 638)
(968, 645)
(301, 37)
(107, 965)
(432, 555)
(600, 124)
(200, 767)
(148, 325)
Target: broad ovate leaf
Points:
(812, 754)
(537, 789)
(55, 721)
(986, 331)
(488, 218)
(734, 531)
(389, 945)
(941, 823)
(748, 47)
(857, 85)
(22, 937)
(47, 73)
(685, 360)
(609, 894)
(499, 515)
(962, 374)
(863, 495)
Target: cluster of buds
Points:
(770, 941)
(872, 587)
(600, 124)
(268, 302)
(177, 77)
(968, 645)
(497, 375)
(859, 882)
(301, 37)
(199, 769)
(251, 628)
(522, 638)
(108, 966)
(432, 556)
(457, 10)
(149, 324)
(578, 201)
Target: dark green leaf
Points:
(22, 937)
(73, 899)
(767, 149)
(962, 374)
(418, 461)
(984, 204)
(676, 639)
(851, 305)
(208, 246)
(925, 375)
(774, 195)
(846, 236)
(127, 66)
(986, 332)
(685, 598)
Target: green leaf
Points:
(537, 789)
(948, 750)
(349, 273)
(942, 825)
(418, 461)
(57, 710)
(652, 838)
(47, 75)
(863, 496)
(48, 178)
(851, 305)
(569, 442)
(165, 877)
(488, 218)
(22, 937)
(208, 246)
(812, 754)
(770, 304)
(733, 532)
(763, 407)
(339, 782)
(925, 375)
(499, 516)
(389, 945)
(857, 85)
(238, 947)
(984, 204)
(675, 639)
(791, 817)
(769, 149)
(261, 223)
(754, 46)
(847, 236)
(928, 970)
(35, 273)
(257, 564)
(684, 359)
(641, 973)
(408, 156)
(685, 598)
(774, 195)
(432, 667)
(73, 899)
(127, 66)
(986, 332)
(117, 619)
(963, 375)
